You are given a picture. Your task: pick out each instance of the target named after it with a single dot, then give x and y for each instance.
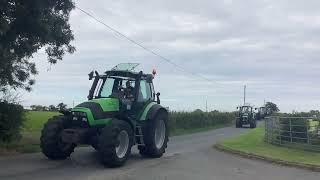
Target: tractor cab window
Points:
(108, 87)
(245, 109)
(145, 92)
(118, 87)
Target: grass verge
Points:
(252, 145)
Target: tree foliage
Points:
(11, 121)
(62, 107)
(25, 27)
(271, 108)
(199, 119)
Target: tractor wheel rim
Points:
(160, 134)
(122, 147)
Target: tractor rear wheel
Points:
(155, 136)
(51, 142)
(115, 143)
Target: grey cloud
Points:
(270, 45)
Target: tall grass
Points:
(199, 119)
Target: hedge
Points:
(11, 121)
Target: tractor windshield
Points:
(116, 87)
(122, 88)
(246, 109)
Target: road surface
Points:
(189, 157)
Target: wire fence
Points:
(295, 132)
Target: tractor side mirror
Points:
(158, 98)
(255, 108)
(237, 107)
(90, 75)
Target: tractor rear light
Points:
(84, 119)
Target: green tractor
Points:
(246, 116)
(122, 110)
(261, 114)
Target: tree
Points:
(271, 108)
(52, 108)
(198, 111)
(62, 107)
(38, 108)
(26, 27)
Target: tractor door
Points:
(145, 96)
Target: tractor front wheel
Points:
(253, 124)
(238, 124)
(115, 143)
(155, 136)
(51, 142)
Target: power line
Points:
(145, 48)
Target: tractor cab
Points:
(261, 114)
(132, 90)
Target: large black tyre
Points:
(109, 141)
(50, 141)
(253, 124)
(238, 124)
(95, 146)
(151, 149)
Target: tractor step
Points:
(139, 136)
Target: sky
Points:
(272, 46)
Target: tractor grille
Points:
(79, 119)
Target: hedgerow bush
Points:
(199, 119)
(11, 121)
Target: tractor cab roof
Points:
(126, 70)
(246, 106)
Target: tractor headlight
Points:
(82, 116)
(76, 113)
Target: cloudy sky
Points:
(272, 46)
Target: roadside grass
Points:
(253, 143)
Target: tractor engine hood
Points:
(98, 110)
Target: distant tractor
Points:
(122, 110)
(246, 116)
(262, 113)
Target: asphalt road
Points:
(189, 157)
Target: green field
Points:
(36, 119)
(253, 143)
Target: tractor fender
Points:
(154, 110)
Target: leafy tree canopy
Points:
(62, 107)
(271, 107)
(25, 27)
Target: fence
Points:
(296, 132)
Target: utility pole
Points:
(244, 95)
(206, 106)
